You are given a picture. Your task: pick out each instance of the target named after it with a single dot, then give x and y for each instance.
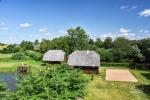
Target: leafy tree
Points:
(58, 82)
(106, 55)
(144, 46)
(45, 45)
(77, 39)
(98, 43)
(135, 55)
(92, 45)
(107, 43)
(120, 47)
(61, 43)
(26, 45)
(36, 45)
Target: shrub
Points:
(58, 82)
(105, 55)
(19, 56)
(33, 54)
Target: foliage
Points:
(120, 47)
(19, 56)
(144, 46)
(107, 43)
(57, 82)
(77, 39)
(26, 45)
(11, 49)
(3, 88)
(134, 54)
(106, 55)
(33, 54)
(98, 43)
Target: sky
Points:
(38, 19)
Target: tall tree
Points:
(107, 43)
(144, 46)
(98, 43)
(135, 55)
(120, 47)
(26, 45)
(77, 39)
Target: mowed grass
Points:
(9, 65)
(99, 89)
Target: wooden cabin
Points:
(87, 60)
(54, 56)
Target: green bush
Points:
(19, 56)
(33, 54)
(106, 64)
(105, 55)
(58, 82)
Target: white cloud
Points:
(47, 34)
(44, 30)
(145, 13)
(4, 28)
(2, 24)
(123, 30)
(133, 7)
(128, 7)
(146, 31)
(124, 7)
(25, 25)
(141, 30)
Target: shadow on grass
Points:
(144, 88)
(146, 75)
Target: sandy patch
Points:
(119, 75)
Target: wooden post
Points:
(92, 77)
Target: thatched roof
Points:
(54, 55)
(84, 58)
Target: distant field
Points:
(2, 47)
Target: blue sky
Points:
(37, 19)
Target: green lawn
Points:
(9, 65)
(98, 89)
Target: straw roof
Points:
(84, 58)
(54, 55)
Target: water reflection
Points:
(10, 79)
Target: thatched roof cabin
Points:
(54, 56)
(88, 60)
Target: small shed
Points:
(54, 56)
(23, 69)
(87, 60)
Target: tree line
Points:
(120, 49)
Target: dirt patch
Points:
(119, 75)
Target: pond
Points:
(9, 79)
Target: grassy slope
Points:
(99, 89)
